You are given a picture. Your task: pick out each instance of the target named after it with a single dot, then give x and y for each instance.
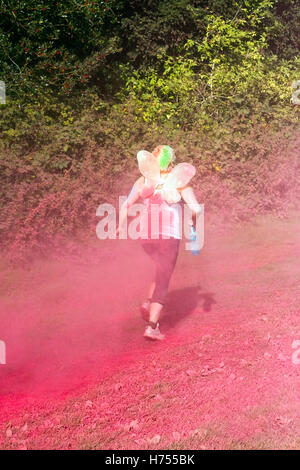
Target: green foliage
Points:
(157, 97)
(169, 65)
(281, 25)
(228, 70)
(111, 76)
(53, 47)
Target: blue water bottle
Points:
(195, 246)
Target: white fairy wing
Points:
(148, 165)
(180, 176)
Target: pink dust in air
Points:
(70, 322)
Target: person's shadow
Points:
(183, 302)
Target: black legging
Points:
(164, 254)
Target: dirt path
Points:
(80, 375)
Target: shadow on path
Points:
(182, 302)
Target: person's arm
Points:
(134, 195)
(189, 198)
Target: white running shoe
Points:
(153, 333)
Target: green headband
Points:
(165, 157)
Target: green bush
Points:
(107, 78)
